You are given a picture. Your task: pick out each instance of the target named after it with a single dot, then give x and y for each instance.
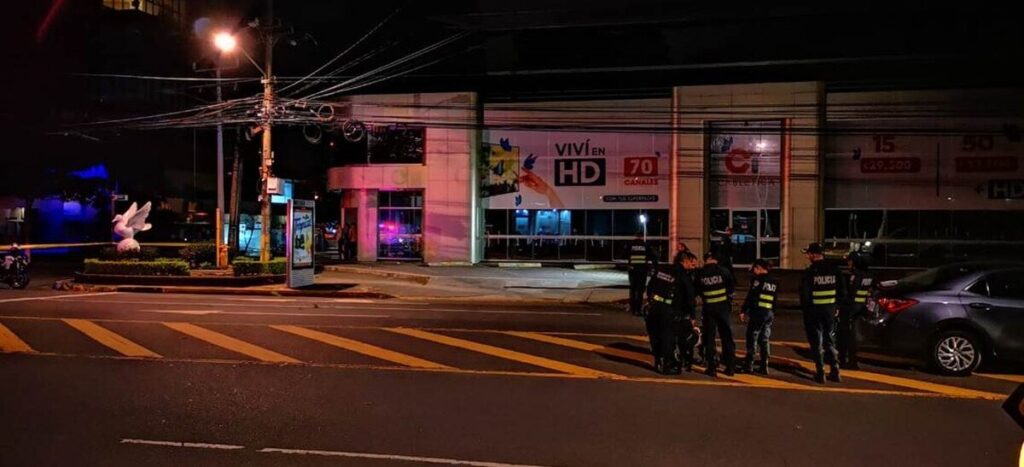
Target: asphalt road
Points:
(133, 379)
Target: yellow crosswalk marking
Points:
(1019, 379)
(637, 356)
(230, 343)
(360, 347)
(110, 339)
(505, 353)
(906, 382)
(9, 342)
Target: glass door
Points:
(400, 225)
(755, 233)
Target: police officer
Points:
(670, 303)
(640, 259)
(715, 285)
(859, 285)
(821, 290)
(757, 311)
(685, 326)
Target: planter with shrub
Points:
(250, 267)
(200, 255)
(158, 267)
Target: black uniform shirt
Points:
(714, 284)
(821, 286)
(761, 296)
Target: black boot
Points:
(659, 366)
(730, 370)
(819, 373)
(833, 375)
(748, 365)
(711, 369)
(762, 368)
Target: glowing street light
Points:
(225, 42)
(643, 221)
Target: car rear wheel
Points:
(956, 353)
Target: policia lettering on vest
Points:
(758, 312)
(715, 286)
(821, 291)
(641, 258)
(670, 306)
(859, 284)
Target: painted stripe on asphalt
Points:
(181, 444)
(673, 381)
(182, 312)
(230, 343)
(580, 345)
(10, 342)
(359, 347)
(1011, 378)
(54, 297)
(111, 339)
(504, 353)
(391, 457)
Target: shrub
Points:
(160, 267)
(248, 267)
(200, 255)
(146, 253)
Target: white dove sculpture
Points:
(128, 224)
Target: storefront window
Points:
(395, 145)
(400, 225)
(530, 231)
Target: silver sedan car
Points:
(952, 317)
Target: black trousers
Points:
(637, 285)
(661, 333)
(759, 330)
(819, 323)
(715, 319)
(847, 333)
(686, 338)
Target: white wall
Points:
(446, 177)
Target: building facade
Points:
(914, 177)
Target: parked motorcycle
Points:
(14, 271)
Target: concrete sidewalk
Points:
(485, 284)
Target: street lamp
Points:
(226, 42)
(643, 222)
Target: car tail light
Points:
(895, 305)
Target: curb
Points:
(421, 279)
(237, 291)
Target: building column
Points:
(366, 226)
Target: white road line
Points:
(182, 312)
(393, 457)
(54, 297)
(181, 444)
(265, 299)
(328, 306)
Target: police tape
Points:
(53, 246)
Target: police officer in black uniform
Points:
(758, 312)
(640, 260)
(670, 300)
(859, 285)
(821, 290)
(715, 286)
(686, 334)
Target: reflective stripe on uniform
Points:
(659, 298)
(638, 258)
(860, 300)
(764, 305)
(823, 301)
(770, 298)
(824, 293)
(862, 293)
(712, 293)
(720, 298)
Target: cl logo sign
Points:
(738, 161)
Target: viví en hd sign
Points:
(301, 219)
